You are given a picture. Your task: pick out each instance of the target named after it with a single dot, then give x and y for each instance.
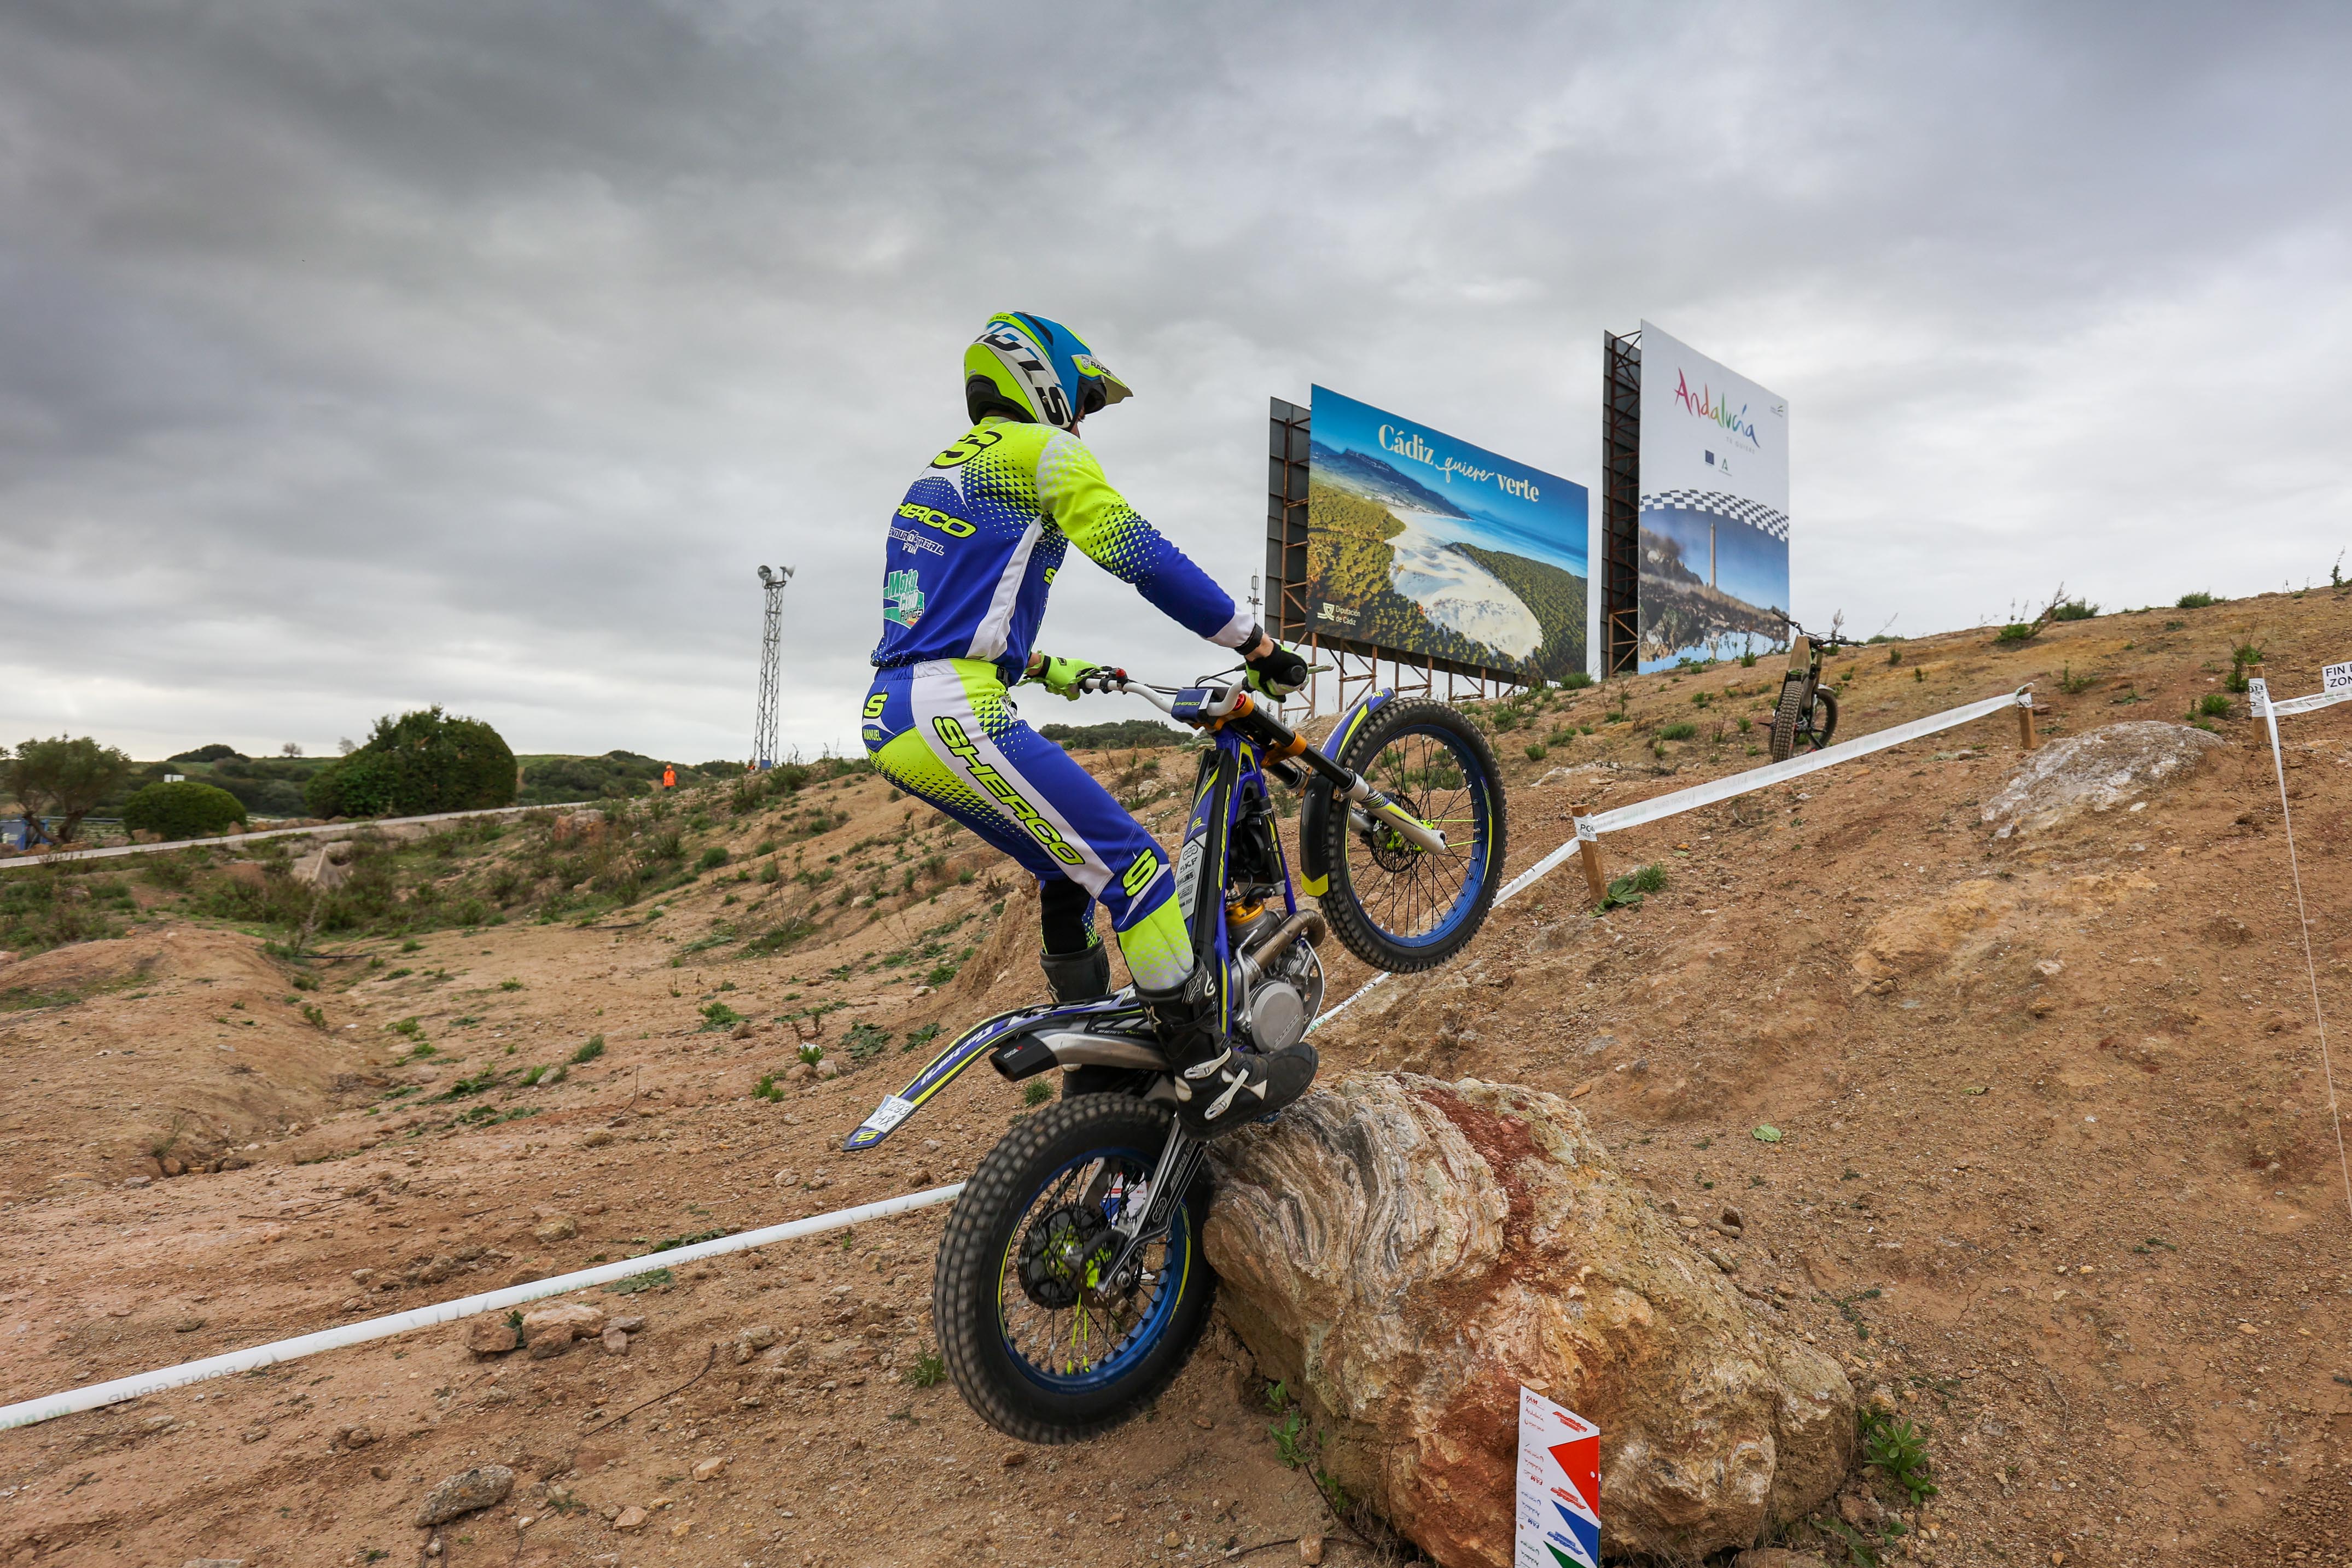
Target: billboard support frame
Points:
(1289, 432)
(1619, 577)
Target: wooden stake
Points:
(1588, 851)
(2025, 722)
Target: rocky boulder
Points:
(325, 868)
(2095, 771)
(1407, 1252)
(582, 828)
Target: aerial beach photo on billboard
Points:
(1423, 545)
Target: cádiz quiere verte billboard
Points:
(1714, 511)
(1424, 547)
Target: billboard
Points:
(1431, 550)
(1714, 519)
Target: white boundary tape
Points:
(17, 862)
(50, 1408)
(1724, 789)
(91, 1396)
(2258, 692)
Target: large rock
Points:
(480, 1487)
(583, 828)
(1407, 1252)
(323, 868)
(2095, 771)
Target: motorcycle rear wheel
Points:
(1039, 1346)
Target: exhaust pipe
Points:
(1307, 922)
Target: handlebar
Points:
(1214, 704)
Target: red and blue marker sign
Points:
(1560, 1486)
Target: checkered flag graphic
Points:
(1715, 503)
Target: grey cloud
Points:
(356, 357)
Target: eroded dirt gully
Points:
(2055, 1169)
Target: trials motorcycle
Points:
(1070, 1285)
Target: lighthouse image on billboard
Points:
(1560, 1486)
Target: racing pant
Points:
(946, 732)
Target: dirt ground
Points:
(2056, 1167)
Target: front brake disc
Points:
(1063, 1254)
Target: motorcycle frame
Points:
(1113, 1031)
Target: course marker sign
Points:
(1560, 1486)
(2335, 677)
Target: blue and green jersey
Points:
(974, 547)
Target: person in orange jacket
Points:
(669, 777)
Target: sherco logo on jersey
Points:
(1704, 404)
(1140, 874)
(951, 735)
(902, 598)
(955, 528)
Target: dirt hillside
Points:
(2053, 1169)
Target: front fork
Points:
(1138, 1226)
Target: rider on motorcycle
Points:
(974, 549)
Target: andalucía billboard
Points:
(1423, 546)
(1714, 509)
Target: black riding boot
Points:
(1218, 1088)
(1077, 977)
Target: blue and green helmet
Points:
(1041, 366)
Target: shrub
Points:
(1676, 731)
(421, 762)
(712, 859)
(62, 778)
(2073, 685)
(718, 1015)
(1536, 751)
(2072, 610)
(1627, 891)
(590, 1052)
(2195, 602)
(181, 810)
(1576, 680)
(2213, 704)
(2016, 631)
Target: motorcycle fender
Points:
(1316, 804)
(1314, 859)
(1005, 1031)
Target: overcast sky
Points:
(357, 356)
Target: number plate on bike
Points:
(887, 1115)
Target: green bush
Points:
(1576, 680)
(423, 761)
(2072, 610)
(1678, 731)
(2213, 704)
(2195, 602)
(2015, 632)
(183, 810)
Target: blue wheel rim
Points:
(1479, 788)
(1137, 1338)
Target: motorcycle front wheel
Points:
(1042, 1341)
(1397, 906)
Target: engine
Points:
(1278, 1008)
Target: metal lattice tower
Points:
(771, 639)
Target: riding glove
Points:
(1277, 672)
(1059, 677)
